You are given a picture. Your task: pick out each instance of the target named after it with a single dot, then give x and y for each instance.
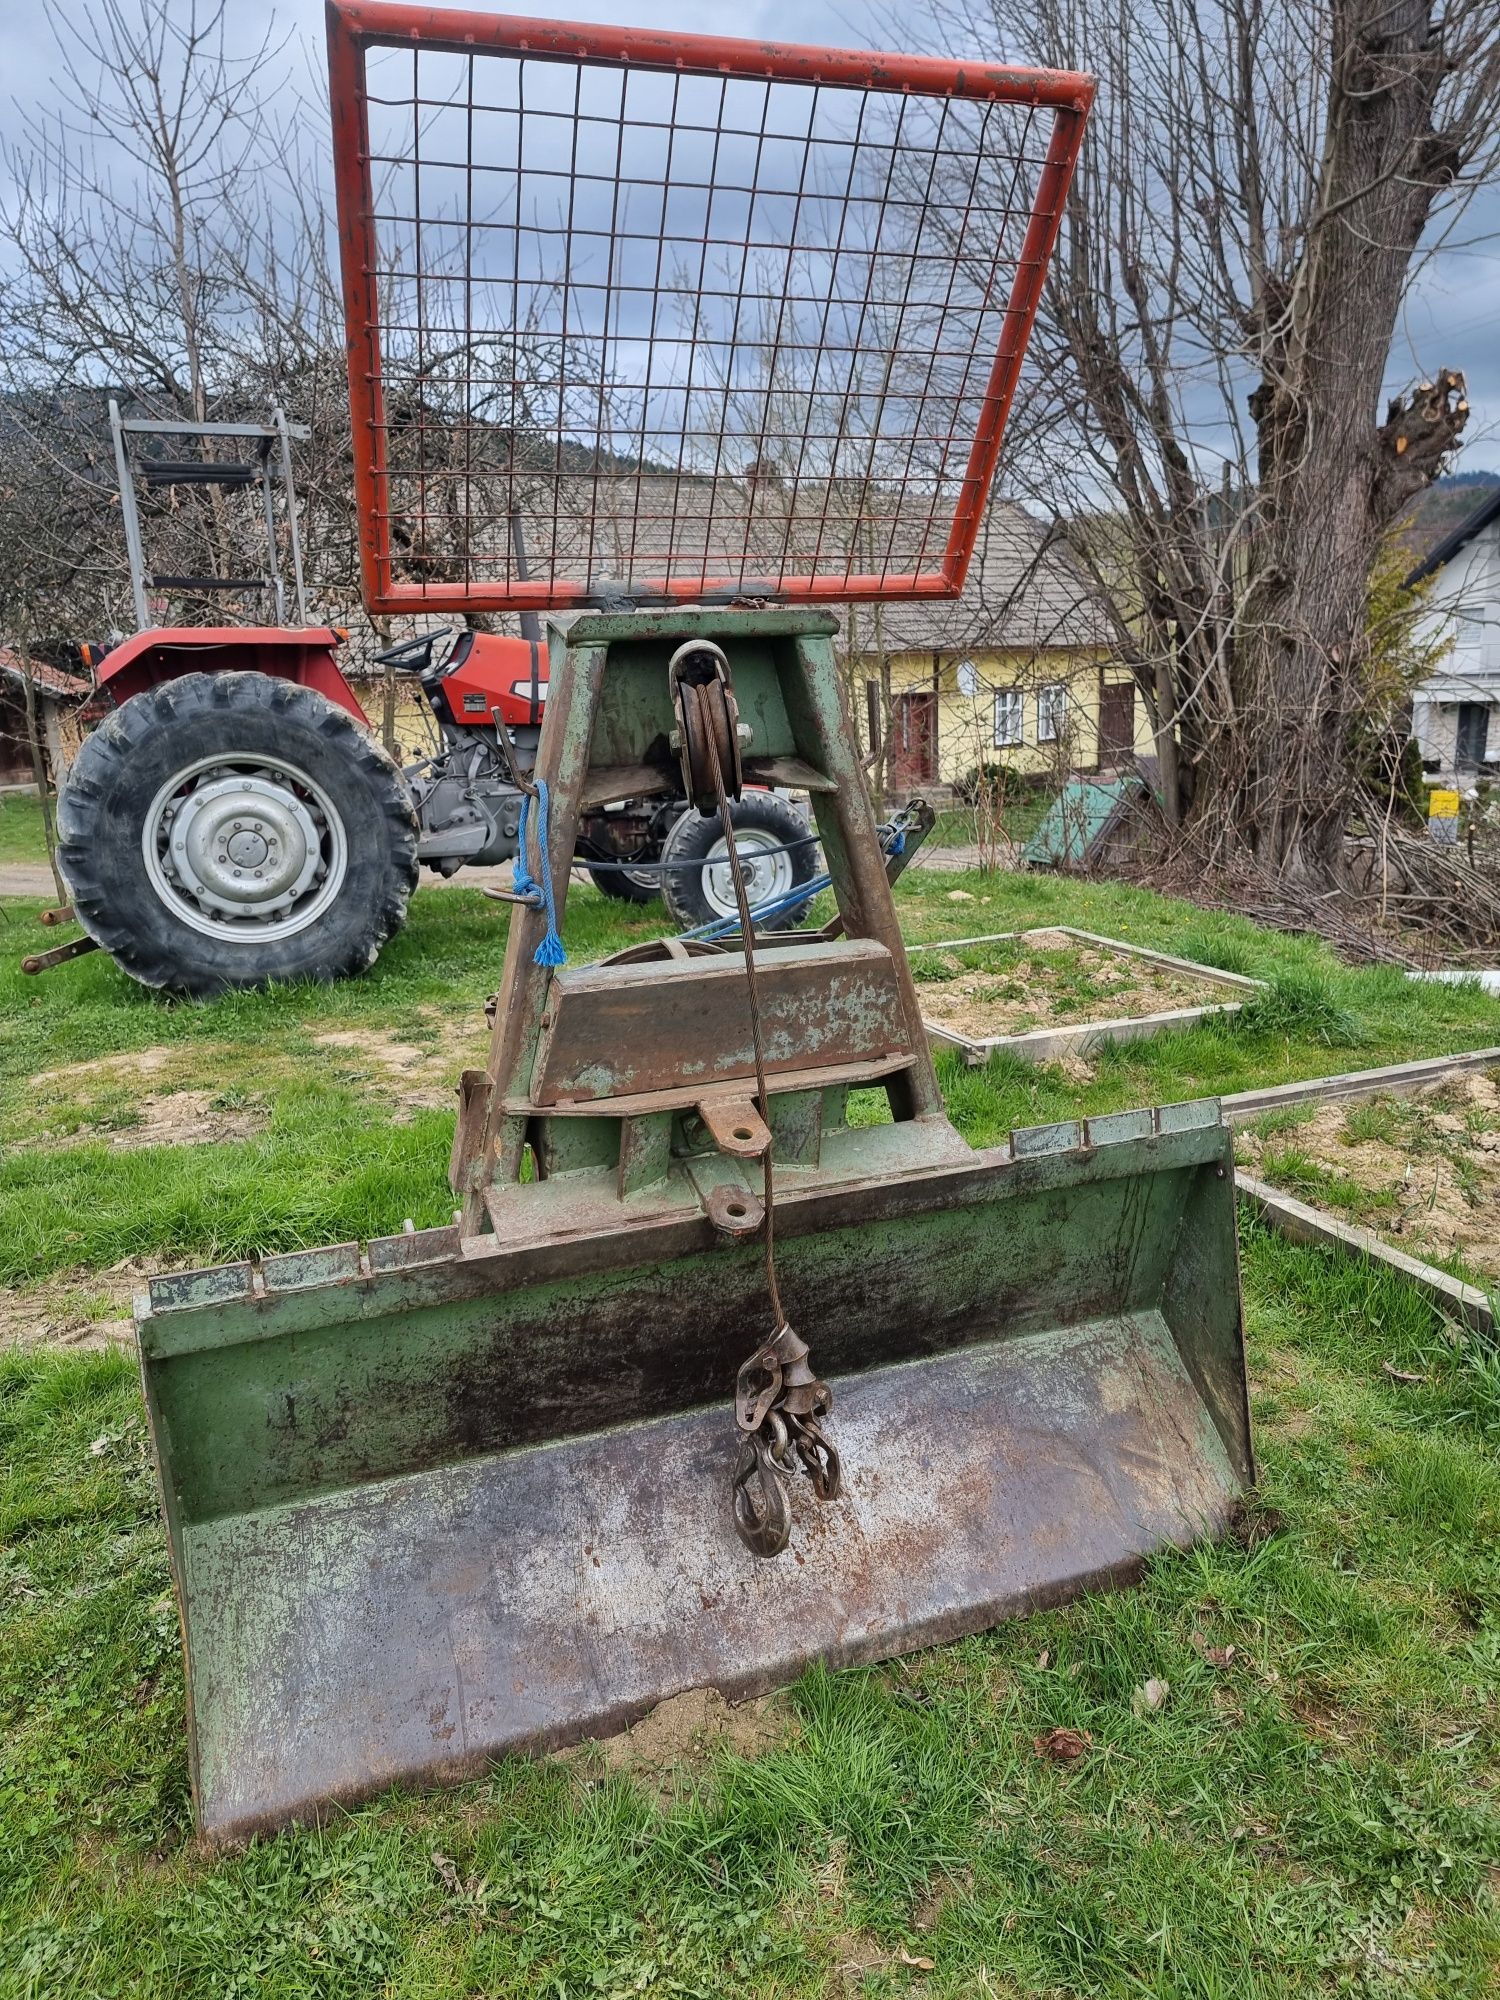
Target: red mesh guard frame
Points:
(686, 316)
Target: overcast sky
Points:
(1452, 320)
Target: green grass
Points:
(330, 1165)
(958, 825)
(1318, 1816)
(21, 837)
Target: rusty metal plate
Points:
(623, 1030)
(413, 1629)
(477, 1497)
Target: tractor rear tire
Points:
(776, 853)
(623, 886)
(231, 830)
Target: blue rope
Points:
(538, 894)
(520, 875)
(550, 950)
(723, 927)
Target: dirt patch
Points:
(186, 1118)
(127, 1063)
(1048, 979)
(416, 1075)
(681, 1737)
(85, 1311)
(1421, 1171)
(127, 1100)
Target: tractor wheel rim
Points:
(246, 849)
(764, 862)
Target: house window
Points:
(1008, 718)
(967, 675)
(1472, 734)
(1051, 712)
(1471, 627)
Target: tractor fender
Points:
(303, 654)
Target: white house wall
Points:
(1465, 607)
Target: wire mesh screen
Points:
(679, 317)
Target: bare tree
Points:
(1259, 185)
(163, 240)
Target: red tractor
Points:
(233, 821)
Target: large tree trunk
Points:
(1258, 182)
(1331, 480)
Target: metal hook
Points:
(762, 1507)
(820, 1458)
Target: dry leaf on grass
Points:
(921, 1964)
(1395, 1374)
(1216, 1656)
(1064, 1745)
(475, 1890)
(1150, 1696)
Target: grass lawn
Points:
(21, 837)
(1313, 1810)
(957, 825)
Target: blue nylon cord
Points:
(550, 950)
(520, 874)
(538, 894)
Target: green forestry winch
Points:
(468, 1490)
(508, 1484)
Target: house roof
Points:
(1025, 591)
(1444, 551)
(590, 525)
(55, 681)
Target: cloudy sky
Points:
(1453, 318)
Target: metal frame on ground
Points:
(1048, 1044)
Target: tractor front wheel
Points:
(233, 829)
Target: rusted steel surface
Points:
(878, 1069)
(43, 961)
(735, 1126)
(621, 1030)
(609, 707)
(449, 1496)
(413, 1629)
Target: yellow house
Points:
(1019, 671)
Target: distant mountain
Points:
(1438, 511)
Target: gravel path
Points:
(26, 878)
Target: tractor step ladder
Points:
(272, 466)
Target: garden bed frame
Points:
(1300, 1222)
(1078, 1038)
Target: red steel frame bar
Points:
(355, 25)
